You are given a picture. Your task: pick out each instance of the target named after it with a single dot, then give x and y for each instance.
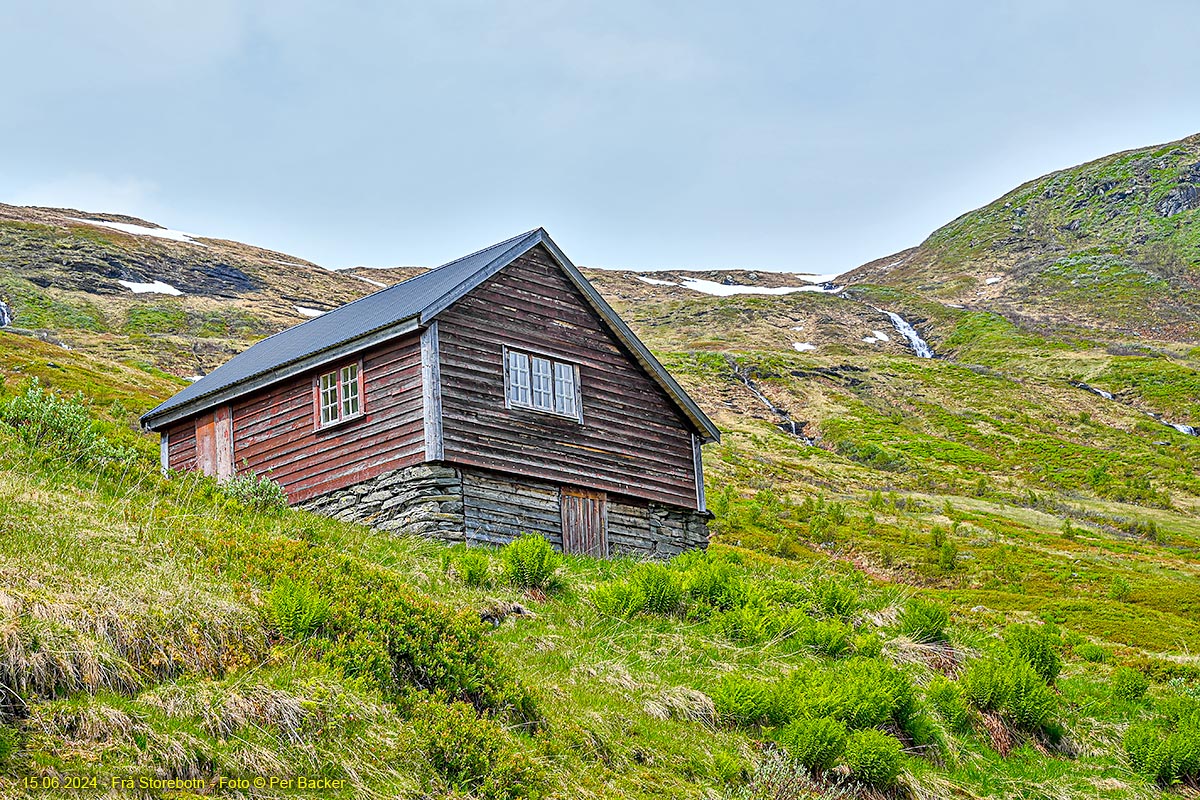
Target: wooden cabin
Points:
(495, 395)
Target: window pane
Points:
(542, 397)
(329, 398)
(518, 379)
(564, 389)
(350, 390)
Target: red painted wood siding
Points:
(181, 445)
(632, 440)
(274, 430)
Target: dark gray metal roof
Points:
(415, 301)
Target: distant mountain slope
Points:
(1113, 244)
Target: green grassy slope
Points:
(1114, 243)
(157, 627)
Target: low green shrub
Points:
(713, 584)
(815, 742)
(475, 755)
(296, 609)
(474, 569)
(924, 621)
(259, 492)
(744, 701)
(8, 743)
(874, 758)
(660, 587)
(1129, 685)
(1037, 647)
(868, 645)
(1092, 653)
(947, 698)
(1166, 756)
(746, 625)
(531, 562)
(984, 684)
(63, 426)
(827, 637)
(618, 599)
(1119, 589)
(834, 598)
(1028, 701)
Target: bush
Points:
(744, 701)
(746, 625)
(531, 563)
(660, 587)
(257, 491)
(474, 755)
(827, 637)
(1037, 647)
(1168, 757)
(474, 569)
(1129, 685)
(947, 697)
(296, 609)
(984, 684)
(948, 557)
(924, 622)
(1119, 589)
(873, 758)
(817, 743)
(59, 425)
(8, 743)
(618, 599)
(713, 584)
(835, 599)
(1092, 653)
(1028, 701)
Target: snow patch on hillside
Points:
(155, 287)
(656, 281)
(308, 312)
(727, 290)
(142, 230)
(803, 347)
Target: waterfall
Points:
(1186, 430)
(6, 315)
(786, 424)
(918, 345)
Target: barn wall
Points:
(632, 440)
(181, 445)
(274, 431)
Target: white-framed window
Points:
(338, 395)
(541, 383)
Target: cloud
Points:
(90, 192)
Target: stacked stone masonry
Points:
(479, 507)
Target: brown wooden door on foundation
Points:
(214, 443)
(584, 523)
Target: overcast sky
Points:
(792, 136)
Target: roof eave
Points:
(154, 420)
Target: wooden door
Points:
(214, 443)
(584, 523)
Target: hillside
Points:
(1111, 244)
(1037, 480)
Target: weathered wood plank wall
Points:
(632, 440)
(274, 431)
(181, 445)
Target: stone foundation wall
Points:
(480, 507)
(425, 500)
